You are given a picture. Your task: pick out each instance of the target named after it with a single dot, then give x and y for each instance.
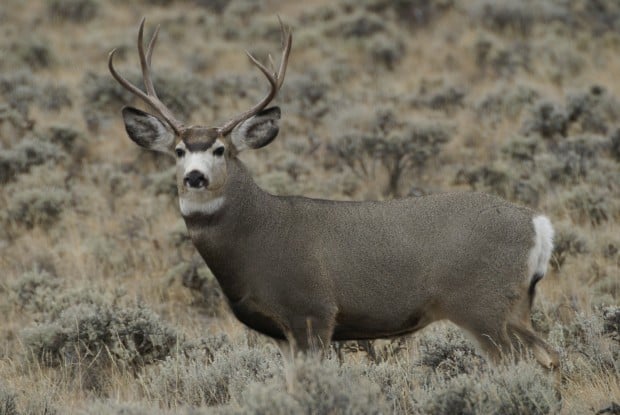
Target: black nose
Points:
(195, 179)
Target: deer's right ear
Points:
(148, 131)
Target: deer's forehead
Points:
(199, 138)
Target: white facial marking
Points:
(543, 246)
(208, 207)
(201, 161)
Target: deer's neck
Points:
(226, 226)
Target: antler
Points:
(150, 97)
(274, 79)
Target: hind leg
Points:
(522, 334)
(544, 354)
(492, 337)
(501, 337)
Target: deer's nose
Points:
(195, 180)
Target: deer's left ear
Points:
(256, 131)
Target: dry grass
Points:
(106, 307)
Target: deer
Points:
(308, 272)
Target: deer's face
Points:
(201, 153)
(201, 171)
(201, 161)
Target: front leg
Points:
(310, 333)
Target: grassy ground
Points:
(108, 309)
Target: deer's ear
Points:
(148, 131)
(257, 131)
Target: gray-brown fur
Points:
(311, 271)
(363, 270)
(199, 138)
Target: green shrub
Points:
(27, 152)
(448, 353)
(495, 178)
(412, 14)
(214, 6)
(42, 404)
(194, 379)
(178, 236)
(590, 112)
(19, 89)
(34, 289)
(440, 98)
(398, 146)
(90, 335)
(37, 207)
(102, 93)
(270, 398)
(77, 11)
(278, 182)
(547, 119)
(562, 63)
(517, 17)
(396, 381)
(502, 58)
(322, 387)
(183, 94)
(19, 122)
(592, 205)
(55, 97)
(112, 178)
(314, 387)
(386, 50)
(505, 101)
(306, 95)
(593, 110)
(357, 25)
(598, 16)
(7, 401)
(567, 242)
(517, 389)
(244, 9)
(521, 149)
(587, 343)
(611, 322)
(112, 407)
(574, 159)
(65, 136)
(615, 145)
(506, 179)
(163, 182)
(34, 53)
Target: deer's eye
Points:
(180, 152)
(218, 151)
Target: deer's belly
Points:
(362, 328)
(256, 320)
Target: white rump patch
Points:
(189, 207)
(543, 246)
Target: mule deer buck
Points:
(310, 271)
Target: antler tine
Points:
(150, 97)
(151, 46)
(275, 81)
(144, 64)
(287, 42)
(124, 82)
